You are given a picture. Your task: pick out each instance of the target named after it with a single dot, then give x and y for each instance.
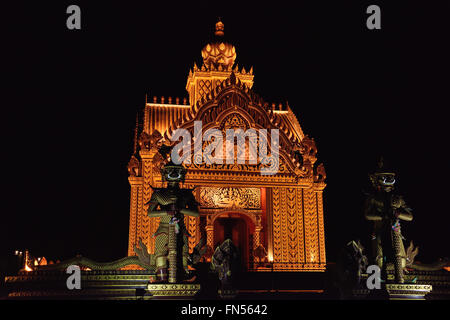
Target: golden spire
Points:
(219, 52)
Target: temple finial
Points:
(218, 52)
(219, 28)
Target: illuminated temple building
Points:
(275, 220)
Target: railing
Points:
(284, 266)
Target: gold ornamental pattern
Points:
(230, 197)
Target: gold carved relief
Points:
(230, 197)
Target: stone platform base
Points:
(227, 293)
(96, 285)
(402, 291)
(173, 290)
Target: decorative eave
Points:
(241, 178)
(168, 102)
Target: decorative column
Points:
(192, 225)
(322, 254)
(311, 228)
(300, 227)
(276, 227)
(210, 235)
(284, 227)
(148, 226)
(291, 229)
(135, 183)
(256, 239)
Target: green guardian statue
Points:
(170, 204)
(386, 210)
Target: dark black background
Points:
(71, 98)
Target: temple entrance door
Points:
(237, 229)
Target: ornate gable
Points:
(233, 105)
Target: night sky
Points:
(72, 98)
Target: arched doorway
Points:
(239, 228)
